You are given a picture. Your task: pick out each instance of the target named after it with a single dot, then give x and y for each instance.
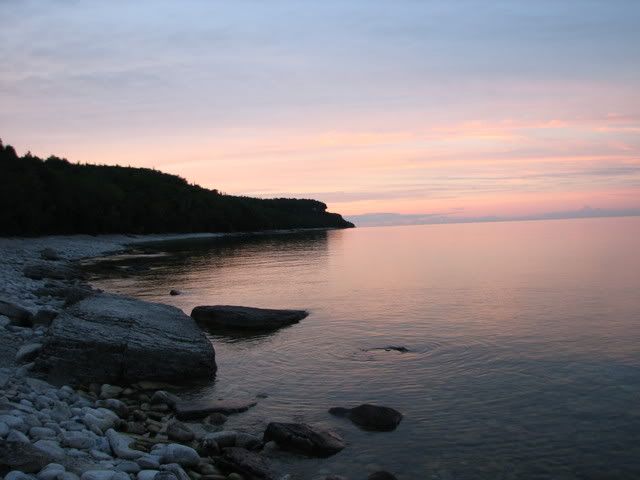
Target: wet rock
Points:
(245, 318)
(115, 339)
(382, 475)
(186, 409)
(249, 464)
(370, 417)
(147, 474)
(17, 436)
(56, 271)
(303, 438)
(51, 472)
(136, 428)
(390, 348)
(110, 391)
(162, 396)
(175, 469)
(216, 419)
(176, 453)
(149, 462)
(17, 315)
(28, 352)
(44, 317)
(51, 449)
(17, 475)
(98, 475)
(38, 433)
(174, 292)
(80, 440)
(165, 476)
(128, 466)
(117, 406)
(179, 432)
(71, 294)
(24, 457)
(120, 446)
(49, 254)
(208, 447)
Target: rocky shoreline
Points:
(108, 413)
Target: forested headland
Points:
(55, 196)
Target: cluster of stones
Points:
(108, 433)
(136, 431)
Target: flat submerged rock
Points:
(186, 409)
(234, 317)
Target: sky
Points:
(419, 109)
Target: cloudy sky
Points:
(458, 109)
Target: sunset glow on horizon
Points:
(416, 108)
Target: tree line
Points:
(55, 196)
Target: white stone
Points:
(97, 475)
(28, 352)
(80, 440)
(147, 474)
(180, 454)
(13, 421)
(50, 472)
(38, 433)
(17, 436)
(149, 462)
(17, 475)
(50, 447)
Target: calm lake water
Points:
(524, 342)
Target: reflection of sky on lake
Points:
(523, 338)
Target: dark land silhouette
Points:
(55, 196)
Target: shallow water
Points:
(524, 344)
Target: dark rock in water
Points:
(208, 447)
(175, 292)
(114, 339)
(56, 271)
(179, 432)
(303, 438)
(44, 318)
(216, 419)
(245, 318)
(388, 348)
(22, 456)
(162, 396)
(396, 348)
(370, 417)
(249, 464)
(17, 315)
(382, 475)
(49, 254)
(186, 409)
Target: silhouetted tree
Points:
(54, 196)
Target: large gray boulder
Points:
(245, 318)
(115, 339)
